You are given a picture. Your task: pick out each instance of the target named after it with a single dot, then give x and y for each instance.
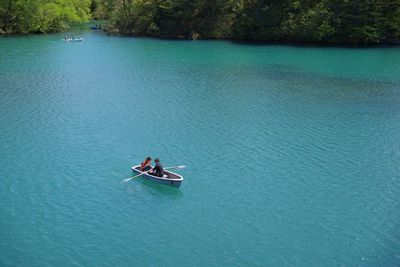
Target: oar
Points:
(175, 167)
(166, 168)
(133, 177)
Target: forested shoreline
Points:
(357, 22)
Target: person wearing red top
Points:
(145, 165)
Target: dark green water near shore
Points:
(292, 153)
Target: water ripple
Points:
(283, 150)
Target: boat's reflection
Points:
(159, 189)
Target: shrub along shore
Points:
(361, 22)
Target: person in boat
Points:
(158, 170)
(145, 165)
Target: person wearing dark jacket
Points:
(158, 170)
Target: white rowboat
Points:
(73, 39)
(172, 179)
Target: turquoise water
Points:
(292, 153)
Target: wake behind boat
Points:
(170, 178)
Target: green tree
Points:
(41, 15)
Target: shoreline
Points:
(233, 40)
(256, 42)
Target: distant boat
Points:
(96, 27)
(171, 179)
(80, 39)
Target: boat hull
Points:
(173, 179)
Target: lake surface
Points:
(292, 153)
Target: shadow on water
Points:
(309, 44)
(160, 190)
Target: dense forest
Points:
(41, 16)
(327, 21)
(322, 21)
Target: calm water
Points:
(292, 153)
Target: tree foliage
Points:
(40, 16)
(330, 21)
(327, 21)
